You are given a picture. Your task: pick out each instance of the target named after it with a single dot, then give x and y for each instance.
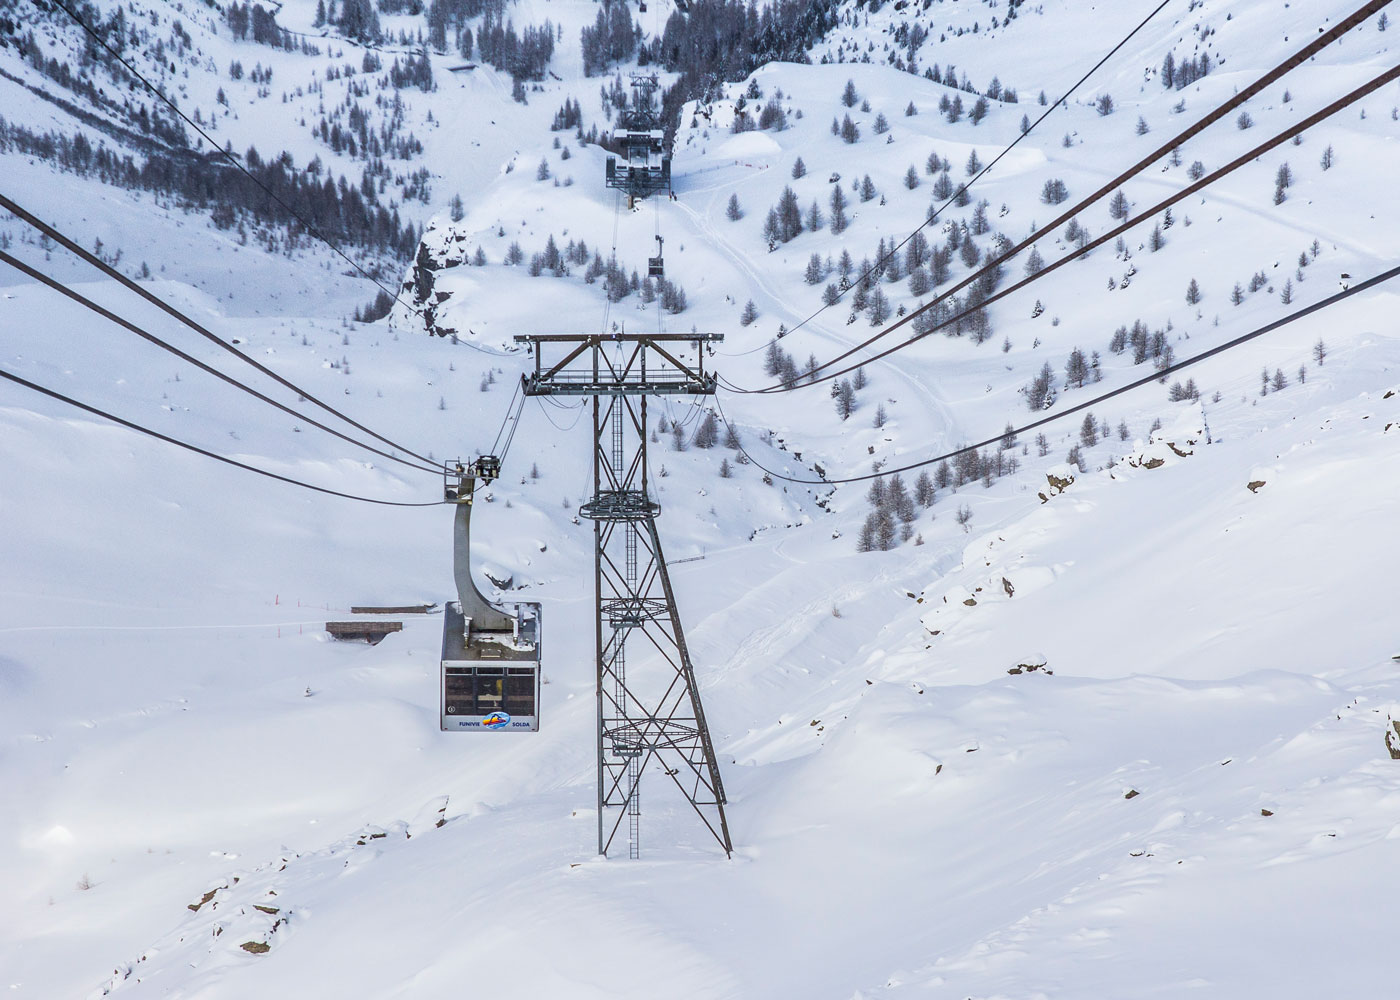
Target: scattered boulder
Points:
(1059, 479)
(1030, 664)
(205, 898)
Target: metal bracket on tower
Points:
(459, 487)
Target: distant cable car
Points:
(656, 267)
(490, 656)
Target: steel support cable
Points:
(1364, 90)
(612, 256)
(502, 429)
(1156, 376)
(514, 426)
(213, 338)
(660, 313)
(1292, 62)
(227, 154)
(229, 379)
(578, 415)
(1054, 105)
(202, 451)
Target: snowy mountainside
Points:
(1116, 719)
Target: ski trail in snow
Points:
(1269, 214)
(739, 260)
(937, 409)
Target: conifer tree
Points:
(839, 221)
(845, 399)
(924, 492)
(1088, 431)
(707, 434)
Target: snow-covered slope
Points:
(1121, 730)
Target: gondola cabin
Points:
(656, 266)
(490, 676)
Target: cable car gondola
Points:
(490, 677)
(656, 266)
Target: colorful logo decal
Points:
(496, 720)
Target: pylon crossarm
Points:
(681, 366)
(541, 376)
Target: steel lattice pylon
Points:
(650, 716)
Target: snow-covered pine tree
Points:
(1088, 431)
(707, 434)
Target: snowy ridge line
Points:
(1243, 160)
(10, 376)
(167, 308)
(227, 154)
(1156, 375)
(1282, 69)
(1054, 105)
(87, 303)
(145, 143)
